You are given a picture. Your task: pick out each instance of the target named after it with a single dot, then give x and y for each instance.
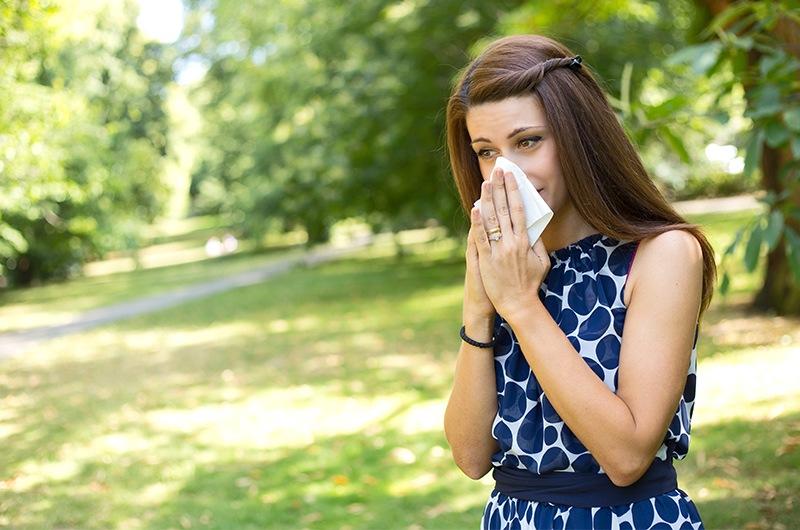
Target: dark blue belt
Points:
(584, 490)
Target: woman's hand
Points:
(511, 269)
(476, 303)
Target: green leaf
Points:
(776, 133)
(700, 57)
(752, 157)
(767, 101)
(667, 108)
(789, 169)
(758, 111)
(796, 147)
(768, 94)
(792, 118)
(792, 238)
(724, 285)
(720, 116)
(794, 262)
(769, 62)
(726, 17)
(677, 145)
(793, 247)
(753, 249)
(625, 87)
(746, 24)
(774, 229)
(743, 43)
(736, 239)
(14, 238)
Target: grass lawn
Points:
(315, 400)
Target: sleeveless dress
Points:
(583, 292)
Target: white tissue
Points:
(537, 212)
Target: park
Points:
(232, 253)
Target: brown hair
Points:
(602, 171)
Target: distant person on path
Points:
(579, 420)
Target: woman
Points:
(579, 421)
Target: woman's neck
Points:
(566, 227)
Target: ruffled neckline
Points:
(584, 242)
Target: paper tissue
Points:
(537, 212)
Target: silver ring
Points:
(496, 237)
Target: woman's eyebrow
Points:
(515, 131)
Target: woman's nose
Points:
(518, 162)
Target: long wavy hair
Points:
(602, 171)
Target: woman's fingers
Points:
(515, 206)
(501, 203)
(488, 213)
(479, 235)
(472, 250)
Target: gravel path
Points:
(14, 343)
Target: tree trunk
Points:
(780, 291)
(318, 231)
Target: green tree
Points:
(82, 135)
(321, 111)
(759, 43)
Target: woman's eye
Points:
(484, 153)
(534, 139)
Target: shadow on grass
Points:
(753, 466)
(346, 481)
(385, 479)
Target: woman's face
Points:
(516, 129)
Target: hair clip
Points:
(576, 62)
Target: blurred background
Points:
(231, 252)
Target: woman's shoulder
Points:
(671, 244)
(670, 253)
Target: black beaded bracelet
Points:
(475, 342)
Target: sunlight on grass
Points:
(761, 382)
(157, 343)
(272, 419)
(433, 299)
(35, 473)
(420, 417)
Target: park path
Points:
(14, 343)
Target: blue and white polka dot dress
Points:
(584, 294)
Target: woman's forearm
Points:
(599, 418)
(473, 403)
